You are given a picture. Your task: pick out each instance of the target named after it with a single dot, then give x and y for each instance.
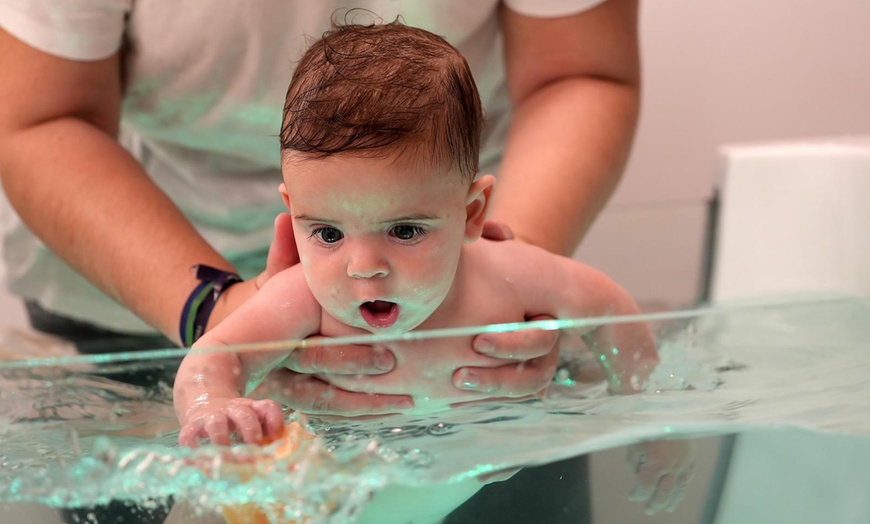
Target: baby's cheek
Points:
(325, 288)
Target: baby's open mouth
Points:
(380, 313)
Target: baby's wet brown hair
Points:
(384, 88)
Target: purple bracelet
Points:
(201, 302)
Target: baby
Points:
(380, 143)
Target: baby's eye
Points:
(327, 235)
(406, 232)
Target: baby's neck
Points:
(444, 314)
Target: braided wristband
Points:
(199, 305)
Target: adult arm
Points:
(574, 83)
(82, 194)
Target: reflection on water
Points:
(75, 432)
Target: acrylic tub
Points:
(791, 372)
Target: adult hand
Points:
(530, 356)
(664, 469)
(311, 395)
(496, 230)
(282, 252)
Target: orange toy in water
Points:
(291, 440)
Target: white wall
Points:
(720, 71)
(742, 70)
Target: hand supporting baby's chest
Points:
(424, 370)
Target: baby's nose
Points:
(367, 264)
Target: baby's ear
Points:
(477, 206)
(284, 196)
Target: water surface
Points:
(76, 431)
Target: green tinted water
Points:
(71, 435)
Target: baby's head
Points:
(381, 90)
(380, 145)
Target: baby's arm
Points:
(210, 381)
(565, 288)
(625, 350)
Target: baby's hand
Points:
(219, 419)
(664, 469)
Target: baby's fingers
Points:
(217, 429)
(641, 492)
(661, 496)
(246, 423)
(271, 416)
(191, 433)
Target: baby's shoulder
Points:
(507, 260)
(292, 276)
(286, 284)
(507, 255)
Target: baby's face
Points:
(379, 241)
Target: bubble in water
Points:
(563, 377)
(418, 458)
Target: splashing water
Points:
(73, 434)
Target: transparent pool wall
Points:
(77, 431)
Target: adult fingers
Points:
(341, 360)
(495, 230)
(308, 394)
(282, 251)
(512, 381)
(518, 345)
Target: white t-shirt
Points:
(202, 108)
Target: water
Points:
(74, 432)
